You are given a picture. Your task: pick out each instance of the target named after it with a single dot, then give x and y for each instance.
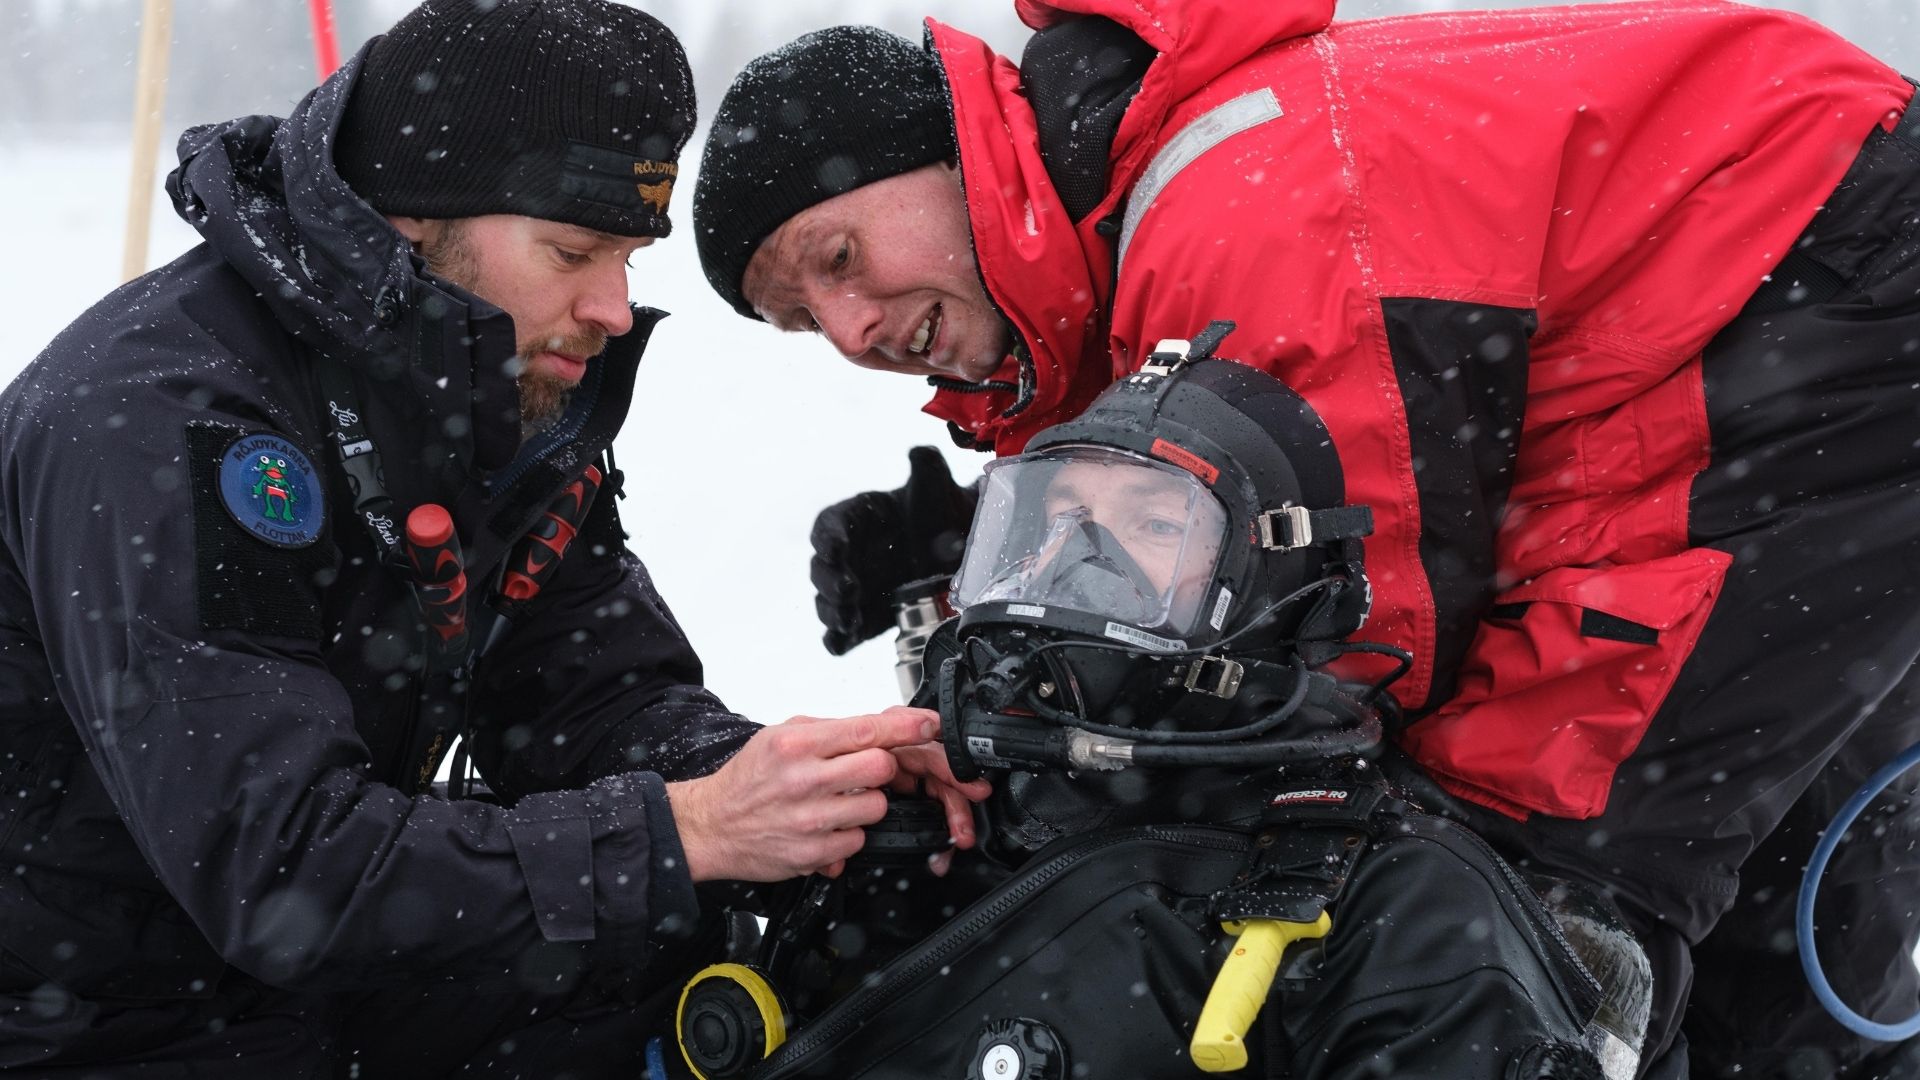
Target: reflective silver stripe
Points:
(1212, 128)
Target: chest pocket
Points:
(1563, 679)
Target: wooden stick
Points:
(149, 98)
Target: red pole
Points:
(326, 43)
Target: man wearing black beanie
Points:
(289, 518)
(1609, 312)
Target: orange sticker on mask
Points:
(1186, 459)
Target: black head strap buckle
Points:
(1172, 354)
(1215, 675)
(1291, 527)
(1285, 529)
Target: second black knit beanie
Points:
(569, 110)
(827, 113)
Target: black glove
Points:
(867, 546)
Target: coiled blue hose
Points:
(1810, 884)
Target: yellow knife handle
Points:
(1240, 990)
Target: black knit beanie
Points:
(568, 110)
(818, 117)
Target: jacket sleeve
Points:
(1438, 967)
(232, 758)
(597, 679)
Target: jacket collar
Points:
(1038, 270)
(1051, 278)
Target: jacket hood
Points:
(336, 275)
(1198, 40)
(1022, 233)
(264, 194)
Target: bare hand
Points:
(796, 798)
(924, 768)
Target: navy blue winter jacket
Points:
(212, 746)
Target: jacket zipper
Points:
(406, 761)
(1537, 908)
(560, 435)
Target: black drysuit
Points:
(1096, 953)
(214, 747)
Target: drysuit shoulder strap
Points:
(1306, 844)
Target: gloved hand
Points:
(867, 546)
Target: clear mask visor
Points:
(1096, 530)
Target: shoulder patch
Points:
(271, 490)
(244, 581)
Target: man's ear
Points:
(416, 230)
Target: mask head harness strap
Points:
(1343, 605)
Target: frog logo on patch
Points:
(271, 490)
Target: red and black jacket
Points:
(1489, 249)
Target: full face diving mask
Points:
(1098, 531)
(1137, 586)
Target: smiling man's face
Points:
(564, 286)
(885, 272)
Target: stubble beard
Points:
(543, 399)
(543, 396)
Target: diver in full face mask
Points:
(1163, 572)
(1154, 663)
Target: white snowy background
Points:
(738, 434)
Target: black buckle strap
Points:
(360, 461)
(1209, 338)
(1289, 527)
(1215, 675)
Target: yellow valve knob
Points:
(1240, 990)
(730, 1019)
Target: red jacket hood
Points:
(1021, 231)
(1198, 40)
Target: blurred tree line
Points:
(68, 65)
